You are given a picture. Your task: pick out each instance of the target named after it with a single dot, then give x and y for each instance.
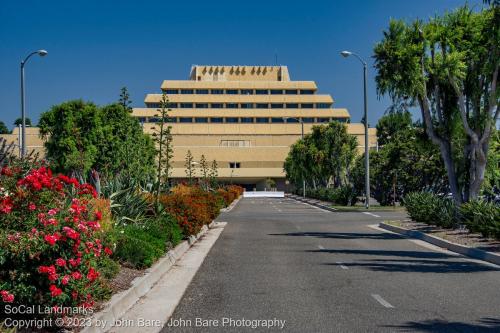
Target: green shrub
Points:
(429, 208)
(140, 246)
(481, 216)
(344, 196)
(108, 268)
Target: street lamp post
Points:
(302, 136)
(345, 54)
(41, 53)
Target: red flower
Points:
(98, 215)
(51, 239)
(71, 233)
(6, 205)
(75, 262)
(108, 251)
(6, 296)
(60, 262)
(54, 291)
(6, 171)
(65, 279)
(76, 275)
(92, 274)
(31, 206)
(52, 212)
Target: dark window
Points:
(231, 106)
(291, 92)
(322, 120)
(262, 105)
(153, 105)
(323, 105)
(292, 106)
(247, 120)
(187, 91)
(340, 120)
(216, 120)
(277, 120)
(201, 120)
(308, 120)
(262, 120)
(306, 106)
(201, 105)
(217, 105)
(234, 165)
(171, 91)
(231, 120)
(307, 92)
(292, 120)
(185, 120)
(246, 91)
(261, 92)
(142, 119)
(276, 106)
(232, 91)
(154, 119)
(246, 105)
(171, 119)
(276, 92)
(202, 91)
(186, 105)
(172, 105)
(217, 91)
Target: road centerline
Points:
(371, 214)
(382, 301)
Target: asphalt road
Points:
(330, 272)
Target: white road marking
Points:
(342, 266)
(371, 214)
(279, 210)
(382, 301)
(321, 247)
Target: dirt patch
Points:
(457, 236)
(122, 281)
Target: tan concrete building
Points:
(34, 144)
(244, 117)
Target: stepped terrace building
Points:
(244, 117)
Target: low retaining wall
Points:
(263, 194)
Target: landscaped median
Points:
(455, 241)
(65, 249)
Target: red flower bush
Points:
(50, 241)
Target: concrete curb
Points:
(232, 205)
(461, 249)
(119, 303)
(312, 203)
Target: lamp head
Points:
(42, 53)
(345, 54)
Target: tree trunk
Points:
(478, 168)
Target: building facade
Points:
(244, 117)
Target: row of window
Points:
(243, 105)
(243, 120)
(239, 91)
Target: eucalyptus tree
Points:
(448, 66)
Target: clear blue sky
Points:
(96, 47)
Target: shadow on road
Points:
(441, 326)
(420, 266)
(342, 235)
(389, 253)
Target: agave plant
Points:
(128, 202)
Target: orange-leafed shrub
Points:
(104, 206)
(230, 193)
(192, 207)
